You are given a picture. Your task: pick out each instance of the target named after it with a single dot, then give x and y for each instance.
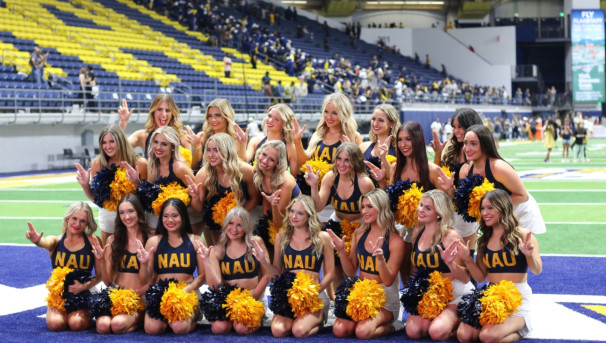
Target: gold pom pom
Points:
(475, 197)
(436, 297)
(273, 231)
(223, 206)
(391, 158)
(366, 298)
(176, 304)
(186, 154)
(243, 308)
(55, 286)
(120, 187)
(303, 296)
(125, 301)
(172, 190)
(408, 202)
(347, 230)
(447, 171)
(499, 302)
(317, 165)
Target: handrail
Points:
(467, 47)
(32, 14)
(97, 46)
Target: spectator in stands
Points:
(277, 91)
(227, 65)
(91, 81)
(266, 79)
(34, 63)
(300, 93)
(436, 127)
(288, 92)
(253, 59)
(427, 61)
(527, 101)
(82, 92)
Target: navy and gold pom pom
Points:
(211, 302)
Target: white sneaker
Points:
(562, 160)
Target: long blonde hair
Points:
(229, 156)
(286, 114)
(443, 206)
(393, 116)
(227, 112)
(379, 200)
(124, 151)
(349, 127)
(277, 177)
(153, 163)
(175, 123)
(314, 226)
(247, 224)
(91, 225)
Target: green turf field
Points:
(572, 198)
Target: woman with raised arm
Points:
(383, 128)
(119, 268)
(450, 154)
(278, 125)
(165, 168)
(506, 251)
(302, 248)
(239, 260)
(105, 169)
(434, 249)
(484, 160)
(376, 252)
(223, 180)
(72, 258)
(168, 262)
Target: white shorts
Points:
(530, 216)
(405, 232)
(194, 218)
(525, 310)
(392, 299)
(151, 220)
(326, 213)
(460, 289)
(464, 228)
(107, 220)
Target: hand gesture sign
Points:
(191, 137)
(202, 250)
(383, 148)
(124, 112)
(297, 133)
(446, 183)
(82, 175)
(436, 144)
(143, 255)
(193, 188)
(258, 251)
(463, 249)
(526, 246)
(98, 251)
(241, 136)
(450, 253)
(311, 177)
(336, 242)
(376, 172)
(272, 199)
(377, 248)
(131, 173)
(32, 235)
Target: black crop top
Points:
(326, 152)
(490, 177)
(367, 262)
(503, 261)
(301, 259)
(129, 263)
(349, 205)
(239, 268)
(83, 259)
(169, 260)
(427, 259)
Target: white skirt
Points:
(525, 310)
(529, 215)
(464, 228)
(107, 220)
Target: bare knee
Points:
(489, 336)
(56, 324)
(364, 331)
(181, 328)
(220, 327)
(103, 325)
(438, 333)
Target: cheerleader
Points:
(239, 259)
(222, 173)
(73, 249)
(278, 125)
(376, 253)
(434, 249)
(170, 258)
(485, 161)
(383, 128)
(301, 246)
(114, 149)
(506, 251)
(119, 265)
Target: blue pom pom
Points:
(207, 213)
(341, 295)
(100, 185)
(413, 290)
(303, 186)
(279, 295)
(262, 228)
(153, 297)
(75, 302)
(147, 193)
(211, 302)
(461, 197)
(99, 304)
(395, 190)
(470, 307)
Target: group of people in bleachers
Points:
(335, 221)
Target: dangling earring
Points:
(439, 218)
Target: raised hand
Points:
(272, 199)
(450, 253)
(345, 138)
(131, 173)
(32, 235)
(445, 183)
(82, 175)
(98, 251)
(241, 136)
(124, 112)
(377, 247)
(202, 250)
(436, 144)
(463, 249)
(311, 177)
(376, 172)
(193, 188)
(258, 251)
(336, 242)
(191, 137)
(297, 133)
(143, 255)
(383, 148)
(526, 246)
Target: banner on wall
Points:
(587, 38)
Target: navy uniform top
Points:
(129, 263)
(490, 177)
(238, 268)
(83, 259)
(172, 177)
(349, 205)
(301, 259)
(503, 261)
(294, 193)
(367, 262)
(222, 191)
(179, 260)
(326, 152)
(427, 258)
(375, 159)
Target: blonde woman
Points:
(222, 173)
(114, 149)
(383, 128)
(278, 125)
(301, 239)
(220, 118)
